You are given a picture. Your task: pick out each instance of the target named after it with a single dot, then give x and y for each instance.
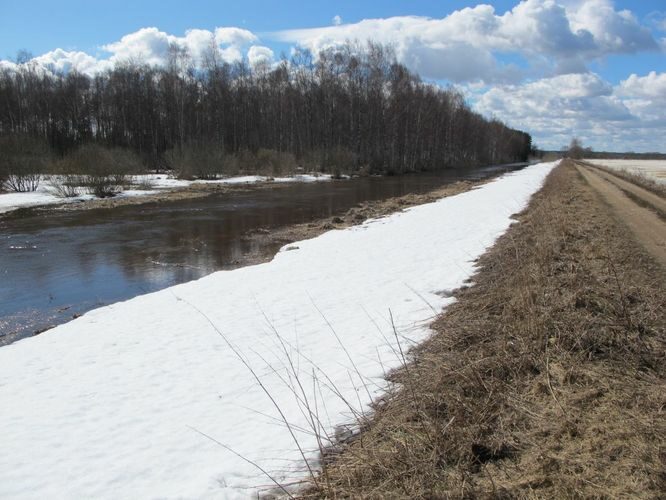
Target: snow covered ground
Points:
(125, 401)
(653, 169)
(43, 196)
(45, 193)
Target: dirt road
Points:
(642, 211)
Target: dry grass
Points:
(545, 380)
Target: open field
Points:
(652, 169)
(546, 379)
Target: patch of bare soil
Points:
(546, 379)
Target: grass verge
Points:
(545, 379)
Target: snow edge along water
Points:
(45, 194)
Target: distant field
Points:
(654, 169)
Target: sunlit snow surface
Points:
(652, 169)
(45, 193)
(114, 404)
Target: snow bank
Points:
(653, 169)
(44, 194)
(114, 404)
(161, 181)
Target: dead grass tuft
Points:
(545, 379)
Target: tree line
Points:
(351, 108)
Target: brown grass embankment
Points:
(545, 380)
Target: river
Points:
(58, 265)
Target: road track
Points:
(642, 211)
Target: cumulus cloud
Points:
(59, 60)
(628, 116)
(565, 96)
(570, 34)
(234, 36)
(7, 65)
(645, 96)
(613, 31)
(151, 46)
(337, 20)
(458, 62)
(651, 86)
(258, 54)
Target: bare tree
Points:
(575, 150)
(350, 108)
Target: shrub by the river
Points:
(68, 186)
(199, 160)
(272, 162)
(100, 171)
(22, 161)
(336, 161)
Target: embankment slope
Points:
(547, 379)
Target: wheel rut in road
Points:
(641, 210)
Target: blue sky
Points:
(555, 68)
(41, 25)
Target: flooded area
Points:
(58, 265)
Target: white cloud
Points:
(458, 62)
(337, 20)
(234, 36)
(59, 60)
(258, 54)
(651, 86)
(613, 31)
(151, 46)
(148, 45)
(645, 96)
(629, 116)
(570, 35)
(7, 65)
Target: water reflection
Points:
(55, 267)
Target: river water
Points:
(56, 266)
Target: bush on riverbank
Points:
(22, 160)
(272, 162)
(207, 161)
(98, 170)
(199, 160)
(336, 161)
